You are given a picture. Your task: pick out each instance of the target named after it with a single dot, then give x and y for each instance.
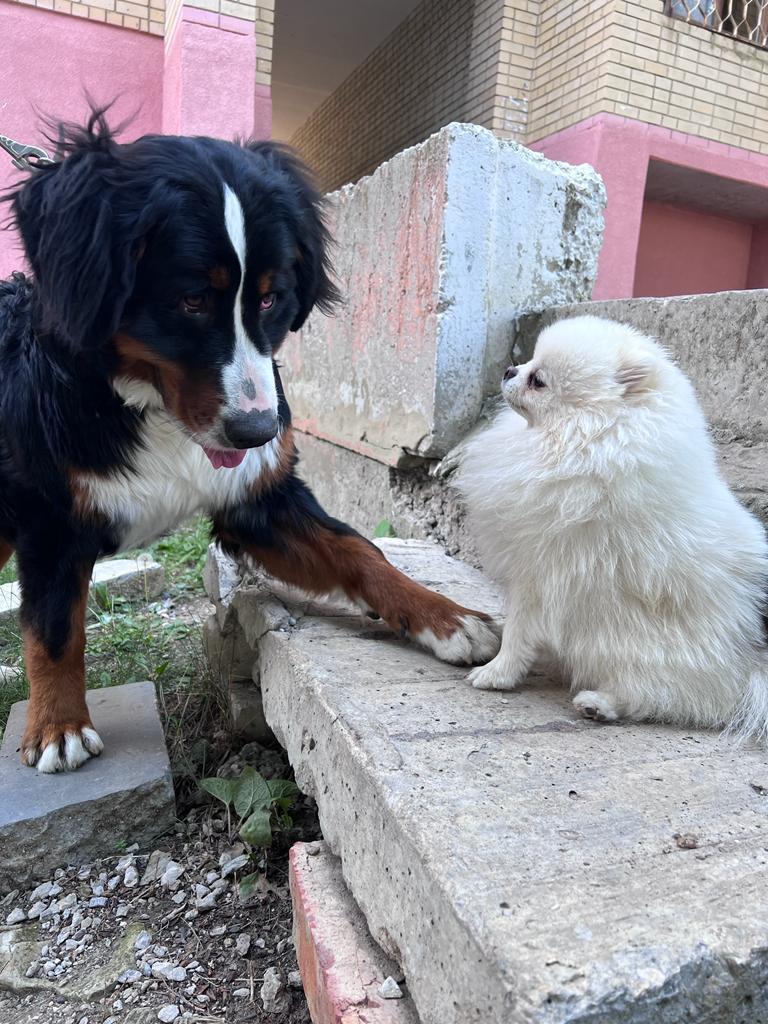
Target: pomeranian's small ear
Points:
(634, 375)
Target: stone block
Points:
(719, 341)
(341, 966)
(221, 577)
(125, 795)
(247, 711)
(520, 863)
(226, 650)
(439, 251)
(137, 579)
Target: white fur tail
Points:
(750, 720)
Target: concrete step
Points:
(343, 971)
(135, 578)
(124, 796)
(521, 864)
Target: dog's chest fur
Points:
(170, 481)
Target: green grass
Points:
(128, 642)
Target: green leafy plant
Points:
(261, 805)
(384, 529)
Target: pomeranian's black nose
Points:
(510, 372)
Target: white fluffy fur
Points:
(596, 500)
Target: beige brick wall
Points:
(627, 57)
(140, 15)
(441, 64)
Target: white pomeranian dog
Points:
(596, 501)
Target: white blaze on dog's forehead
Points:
(249, 380)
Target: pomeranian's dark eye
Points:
(535, 381)
(194, 305)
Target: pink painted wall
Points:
(701, 252)
(620, 150)
(209, 88)
(757, 276)
(48, 61)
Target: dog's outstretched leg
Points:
(59, 734)
(287, 532)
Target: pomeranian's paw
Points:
(599, 707)
(493, 676)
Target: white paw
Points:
(599, 707)
(68, 753)
(474, 641)
(492, 677)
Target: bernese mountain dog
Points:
(138, 386)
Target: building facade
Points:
(668, 99)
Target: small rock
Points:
(118, 1005)
(97, 901)
(218, 930)
(179, 897)
(212, 876)
(131, 877)
(130, 977)
(142, 941)
(171, 875)
(124, 863)
(294, 980)
(156, 865)
(389, 989)
(41, 892)
(67, 901)
(36, 910)
(201, 891)
(122, 910)
(168, 971)
(243, 943)
(191, 915)
(168, 1013)
(241, 993)
(207, 903)
(97, 889)
(16, 916)
(274, 998)
(236, 864)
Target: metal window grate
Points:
(745, 20)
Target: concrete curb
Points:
(341, 966)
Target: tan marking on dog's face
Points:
(194, 397)
(220, 278)
(266, 282)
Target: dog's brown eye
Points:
(535, 381)
(194, 305)
(267, 301)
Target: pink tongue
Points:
(228, 459)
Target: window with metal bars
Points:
(745, 20)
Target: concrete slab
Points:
(342, 968)
(134, 578)
(523, 865)
(126, 794)
(437, 253)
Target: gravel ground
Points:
(161, 935)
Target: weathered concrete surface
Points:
(524, 865)
(341, 966)
(126, 794)
(437, 253)
(720, 342)
(134, 578)
(364, 492)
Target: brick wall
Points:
(450, 60)
(141, 15)
(627, 57)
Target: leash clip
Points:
(26, 158)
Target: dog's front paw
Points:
(493, 676)
(472, 640)
(598, 707)
(61, 748)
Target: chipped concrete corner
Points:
(439, 251)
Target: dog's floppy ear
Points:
(314, 286)
(66, 213)
(634, 374)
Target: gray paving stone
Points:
(135, 578)
(523, 865)
(126, 794)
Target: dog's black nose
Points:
(251, 429)
(510, 372)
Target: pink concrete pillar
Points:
(209, 84)
(757, 274)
